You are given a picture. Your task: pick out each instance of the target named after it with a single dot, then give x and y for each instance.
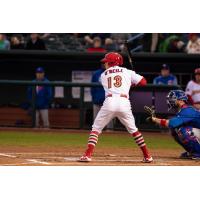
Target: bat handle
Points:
(129, 54)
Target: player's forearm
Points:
(162, 122)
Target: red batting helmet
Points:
(113, 59)
(197, 71)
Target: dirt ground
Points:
(42, 156)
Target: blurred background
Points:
(166, 60)
(102, 42)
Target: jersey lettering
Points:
(117, 83)
(111, 71)
(109, 82)
(118, 80)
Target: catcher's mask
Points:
(175, 95)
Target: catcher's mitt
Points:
(151, 112)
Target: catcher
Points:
(182, 124)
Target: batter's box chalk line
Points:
(35, 161)
(101, 160)
(71, 158)
(7, 155)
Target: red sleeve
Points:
(143, 82)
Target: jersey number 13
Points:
(117, 81)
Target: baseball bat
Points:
(129, 54)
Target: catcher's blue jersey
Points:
(187, 116)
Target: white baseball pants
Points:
(115, 106)
(96, 109)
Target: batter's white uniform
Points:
(117, 82)
(193, 89)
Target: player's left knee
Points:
(185, 133)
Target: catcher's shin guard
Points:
(185, 137)
(141, 143)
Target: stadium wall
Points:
(20, 65)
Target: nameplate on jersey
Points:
(111, 71)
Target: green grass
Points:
(31, 139)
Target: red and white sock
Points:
(141, 143)
(92, 141)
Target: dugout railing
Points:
(151, 95)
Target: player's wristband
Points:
(163, 122)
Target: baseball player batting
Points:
(116, 81)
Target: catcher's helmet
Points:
(175, 95)
(113, 59)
